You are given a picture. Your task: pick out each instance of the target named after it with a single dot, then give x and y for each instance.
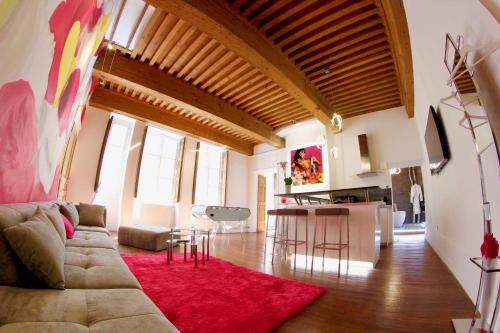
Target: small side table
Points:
(191, 242)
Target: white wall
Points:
(86, 156)
(392, 140)
(453, 205)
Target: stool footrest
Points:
(331, 246)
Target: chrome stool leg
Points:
(314, 242)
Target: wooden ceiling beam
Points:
(355, 100)
(384, 99)
(368, 93)
(232, 30)
(116, 102)
(379, 107)
(362, 83)
(135, 74)
(394, 18)
(365, 89)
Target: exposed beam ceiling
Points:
(114, 101)
(136, 74)
(222, 23)
(394, 17)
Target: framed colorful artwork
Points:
(307, 165)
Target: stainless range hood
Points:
(366, 164)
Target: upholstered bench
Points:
(147, 237)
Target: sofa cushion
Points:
(79, 310)
(92, 215)
(97, 268)
(94, 229)
(70, 230)
(13, 272)
(55, 217)
(38, 245)
(90, 239)
(69, 210)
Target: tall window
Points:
(210, 175)
(160, 167)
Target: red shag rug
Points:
(219, 296)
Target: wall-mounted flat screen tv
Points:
(436, 142)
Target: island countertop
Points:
(364, 220)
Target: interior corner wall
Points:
(453, 198)
(45, 80)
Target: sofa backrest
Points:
(12, 271)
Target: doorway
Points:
(408, 200)
(261, 203)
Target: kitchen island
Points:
(364, 235)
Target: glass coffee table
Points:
(190, 237)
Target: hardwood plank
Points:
(409, 290)
(354, 61)
(172, 37)
(284, 13)
(294, 23)
(149, 31)
(384, 63)
(327, 51)
(194, 48)
(368, 102)
(366, 89)
(183, 43)
(362, 83)
(112, 101)
(394, 17)
(234, 32)
(370, 24)
(369, 96)
(344, 50)
(177, 91)
(375, 108)
(340, 19)
(159, 36)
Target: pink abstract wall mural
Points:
(48, 50)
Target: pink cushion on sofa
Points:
(70, 231)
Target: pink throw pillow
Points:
(70, 231)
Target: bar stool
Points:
(339, 246)
(271, 212)
(281, 234)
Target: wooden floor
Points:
(409, 290)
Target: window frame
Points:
(222, 175)
(176, 179)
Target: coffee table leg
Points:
(203, 251)
(195, 255)
(171, 246)
(168, 253)
(185, 249)
(208, 246)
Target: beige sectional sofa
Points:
(100, 295)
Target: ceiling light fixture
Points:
(337, 122)
(327, 71)
(110, 46)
